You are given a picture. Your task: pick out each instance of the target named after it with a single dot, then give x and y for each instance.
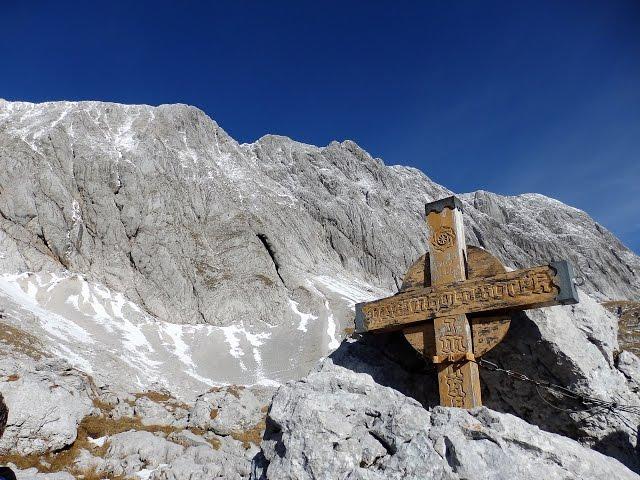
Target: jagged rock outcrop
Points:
(573, 346)
(345, 425)
(46, 400)
(226, 410)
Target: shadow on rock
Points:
(392, 362)
(525, 350)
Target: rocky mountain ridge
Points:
(262, 248)
(148, 262)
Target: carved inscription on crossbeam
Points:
(530, 288)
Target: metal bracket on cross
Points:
(455, 303)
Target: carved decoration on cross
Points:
(455, 303)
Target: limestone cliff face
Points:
(150, 231)
(160, 203)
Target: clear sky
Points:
(510, 97)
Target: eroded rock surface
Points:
(573, 346)
(345, 425)
(3, 415)
(46, 400)
(338, 423)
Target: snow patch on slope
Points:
(103, 333)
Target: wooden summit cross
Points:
(454, 305)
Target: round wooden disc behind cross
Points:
(486, 331)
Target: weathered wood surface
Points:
(521, 289)
(458, 379)
(486, 331)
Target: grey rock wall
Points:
(161, 204)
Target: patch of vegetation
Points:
(166, 399)
(628, 313)
(266, 280)
(232, 389)
(20, 341)
(90, 427)
(213, 441)
(252, 435)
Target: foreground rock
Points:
(47, 400)
(381, 381)
(575, 347)
(337, 423)
(62, 426)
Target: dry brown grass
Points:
(266, 280)
(235, 390)
(89, 427)
(20, 341)
(628, 313)
(103, 406)
(14, 377)
(348, 331)
(158, 397)
(166, 399)
(232, 389)
(213, 414)
(252, 435)
(214, 442)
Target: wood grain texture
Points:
(518, 290)
(458, 379)
(486, 331)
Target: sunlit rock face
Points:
(143, 249)
(146, 241)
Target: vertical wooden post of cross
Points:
(458, 379)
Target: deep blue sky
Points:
(508, 96)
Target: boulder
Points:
(46, 402)
(575, 347)
(33, 474)
(571, 346)
(226, 410)
(337, 423)
(182, 456)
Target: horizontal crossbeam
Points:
(518, 290)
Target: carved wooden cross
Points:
(454, 305)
